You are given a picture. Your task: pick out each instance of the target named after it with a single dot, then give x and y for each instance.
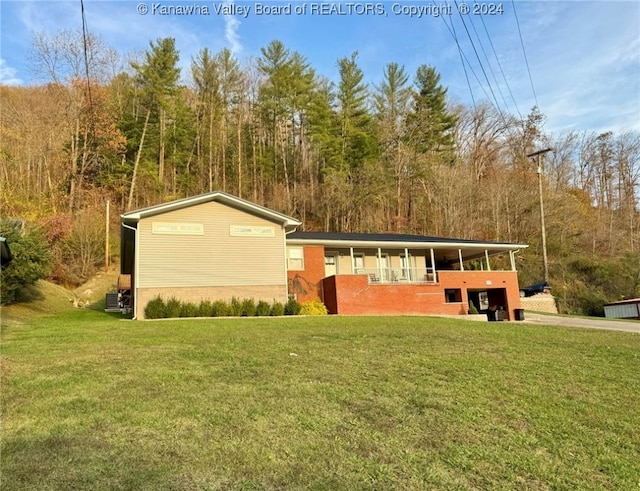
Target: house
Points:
(624, 309)
(402, 274)
(216, 246)
(211, 246)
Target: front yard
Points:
(90, 401)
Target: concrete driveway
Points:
(595, 323)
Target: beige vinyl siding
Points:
(213, 259)
(344, 263)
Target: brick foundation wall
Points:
(353, 295)
(268, 293)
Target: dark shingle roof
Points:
(325, 236)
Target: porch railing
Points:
(397, 275)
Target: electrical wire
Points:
(480, 63)
(500, 66)
(86, 65)
(464, 67)
(486, 58)
(524, 52)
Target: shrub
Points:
(31, 260)
(219, 308)
(205, 308)
(314, 307)
(249, 307)
(155, 308)
(472, 309)
(189, 309)
(173, 307)
(263, 309)
(235, 307)
(277, 309)
(292, 307)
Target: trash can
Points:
(519, 314)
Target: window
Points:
(358, 263)
(453, 295)
(295, 258)
(330, 264)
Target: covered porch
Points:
(403, 274)
(411, 265)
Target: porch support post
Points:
(512, 256)
(407, 264)
(486, 255)
(353, 271)
(433, 266)
(460, 258)
(380, 264)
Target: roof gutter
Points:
(412, 245)
(135, 268)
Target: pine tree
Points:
(158, 81)
(392, 104)
(284, 101)
(429, 124)
(356, 129)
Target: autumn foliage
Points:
(342, 155)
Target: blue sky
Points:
(584, 57)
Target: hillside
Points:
(46, 298)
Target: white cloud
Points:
(8, 74)
(231, 25)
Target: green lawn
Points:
(90, 401)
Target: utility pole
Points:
(545, 262)
(106, 240)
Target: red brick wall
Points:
(485, 280)
(353, 295)
(307, 284)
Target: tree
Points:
(429, 138)
(205, 77)
(230, 95)
(284, 101)
(356, 129)
(76, 64)
(31, 260)
(429, 124)
(158, 81)
(392, 104)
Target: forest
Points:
(399, 155)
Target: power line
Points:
(500, 66)
(463, 57)
(86, 64)
(480, 63)
(535, 97)
(486, 58)
(466, 75)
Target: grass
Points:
(34, 301)
(90, 401)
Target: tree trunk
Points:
(137, 162)
(162, 144)
(211, 159)
(239, 131)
